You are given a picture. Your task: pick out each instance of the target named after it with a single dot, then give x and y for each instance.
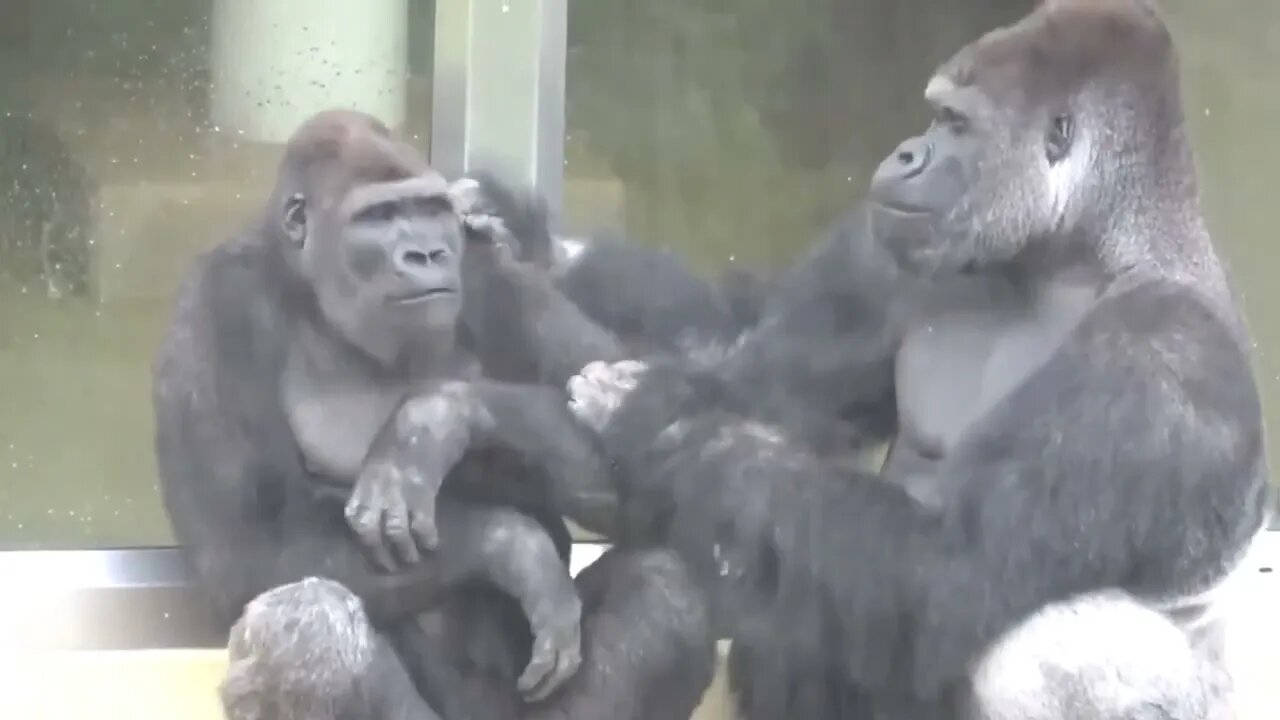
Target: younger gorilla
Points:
(297, 379)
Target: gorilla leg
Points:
(307, 649)
(1098, 656)
(648, 649)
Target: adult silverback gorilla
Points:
(1078, 463)
(293, 394)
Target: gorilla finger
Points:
(629, 370)
(399, 535)
(367, 526)
(567, 663)
(578, 386)
(542, 661)
(423, 525)
(598, 372)
(465, 194)
(421, 494)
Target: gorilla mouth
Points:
(417, 296)
(903, 209)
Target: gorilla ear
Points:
(293, 219)
(1058, 139)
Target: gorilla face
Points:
(384, 261)
(991, 174)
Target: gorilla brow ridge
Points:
(338, 149)
(1066, 45)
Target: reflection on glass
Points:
(736, 131)
(134, 134)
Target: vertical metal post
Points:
(498, 91)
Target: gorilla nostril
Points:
(906, 157)
(414, 258)
(437, 256)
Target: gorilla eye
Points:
(295, 219)
(1059, 138)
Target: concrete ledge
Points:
(137, 684)
(119, 634)
(112, 685)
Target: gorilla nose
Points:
(413, 258)
(910, 158)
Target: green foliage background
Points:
(741, 127)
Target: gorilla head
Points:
(1029, 121)
(368, 232)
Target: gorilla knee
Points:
(1099, 655)
(653, 588)
(298, 651)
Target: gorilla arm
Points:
(1131, 459)
(826, 342)
(242, 504)
(394, 498)
(513, 314)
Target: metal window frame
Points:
(501, 112)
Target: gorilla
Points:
(1033, 309)
(1030, 305)
(297, 395)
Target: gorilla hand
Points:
(557, 648)
(393, 505)
(597, 392)
(481, 221)
(520, 559)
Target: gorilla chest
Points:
(335, 425)
(957, 364)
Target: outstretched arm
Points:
(521, 326)
(825, 344)
(514, 318)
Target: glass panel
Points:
(133, 134)
(736, 131)
(1230, 61)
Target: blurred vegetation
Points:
(740, 127)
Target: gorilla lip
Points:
(418, 296)
(900, 209)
